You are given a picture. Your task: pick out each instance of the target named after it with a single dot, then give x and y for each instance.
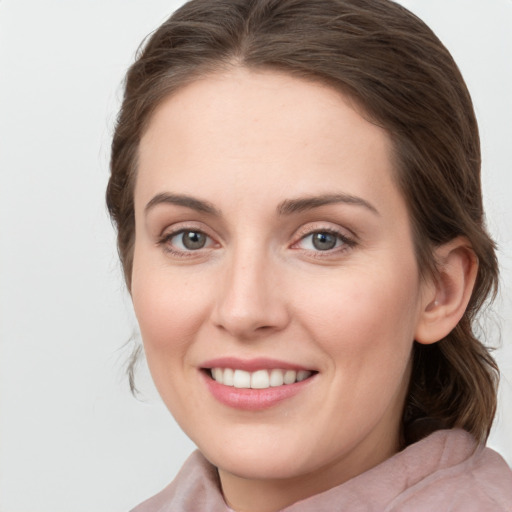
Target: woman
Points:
(296, 190)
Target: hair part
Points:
(406, 81)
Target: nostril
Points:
(264, 328)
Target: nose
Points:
(251, 303)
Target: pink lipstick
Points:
(254, 384)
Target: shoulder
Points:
(195, 488)
(462, 476)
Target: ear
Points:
(446, 297)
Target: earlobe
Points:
(446, 297)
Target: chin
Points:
(261, 461)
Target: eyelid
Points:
(347, 236)
(174, 230)
(315, 227)
(179, 227)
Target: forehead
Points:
(264, 130)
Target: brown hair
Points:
(407, 82)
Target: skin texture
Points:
(243, 143)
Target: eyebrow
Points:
(286, 207)
(182, 200)
(291, 206)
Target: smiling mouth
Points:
(259, 379)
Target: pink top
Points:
(444, 472)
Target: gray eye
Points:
(323, 241)
(193, 240)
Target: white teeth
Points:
(241, 379)
(276, 378)
(217, 374)
(290, 376)
(260, 379)
(227, 379)
(303, 375)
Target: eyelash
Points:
(165, 242)
(346, 242)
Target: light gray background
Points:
(71, 436)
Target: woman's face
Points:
(273, 245)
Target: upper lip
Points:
(252, 365)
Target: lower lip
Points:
(253, 399)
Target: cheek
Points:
(364, 317)
(169, 311)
